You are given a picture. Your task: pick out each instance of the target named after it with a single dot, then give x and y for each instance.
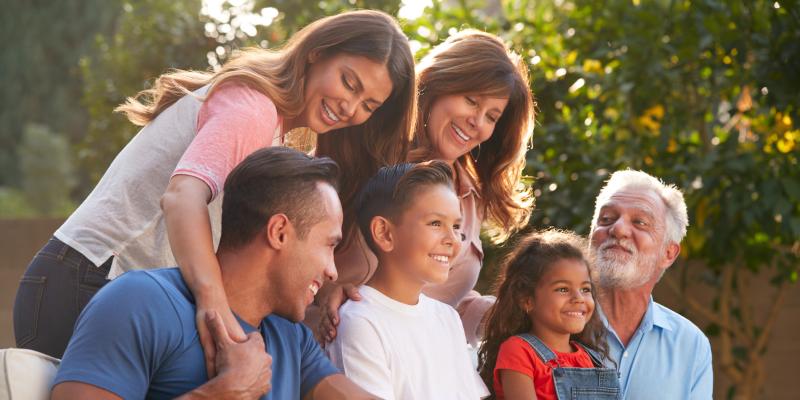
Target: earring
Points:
(475, 155)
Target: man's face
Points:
(306, 263)
(629, 240)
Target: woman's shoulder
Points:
(239, 96)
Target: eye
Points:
(436, 223)
(493, 119)
(640, 222)
(586, 290)
(347, 84)
(562, 290)
(604, 220)
(367, 108)
(470, 101)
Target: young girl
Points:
(475, 112)
(157, 202)
(543, 339)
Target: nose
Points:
(347, 108)
(619, 229)
(577, 296)
(330, 271)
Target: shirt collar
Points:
(654, 316)
(466, 184)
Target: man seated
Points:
(396, 342)
(137, 337)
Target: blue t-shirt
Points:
(137, 338)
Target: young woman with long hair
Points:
(475, 111)
(349, 77)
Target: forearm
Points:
(217, 388)
(189, 231)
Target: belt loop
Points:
(62, 252)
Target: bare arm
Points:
(336, 387)
(516, 385)
(189, 228)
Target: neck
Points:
(391, 280)
(244, 284)
(624, 309)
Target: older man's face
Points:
(629, 240)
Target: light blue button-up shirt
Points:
(668, 357)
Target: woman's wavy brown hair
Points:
(475, 62)
(520, 274)
(359, 150)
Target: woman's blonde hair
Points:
(475, 62)
(279, 74)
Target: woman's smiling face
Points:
(458, 123)
(343, 90)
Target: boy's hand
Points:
(330, 298)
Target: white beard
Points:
(613, 270)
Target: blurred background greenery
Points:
(703, 93)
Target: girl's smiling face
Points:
(458, 123)
(562, 302)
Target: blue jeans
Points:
(52, 293)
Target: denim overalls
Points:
(578, 383)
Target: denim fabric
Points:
(54, 289)
(578, 383)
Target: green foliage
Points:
(48, 175)
(42, 42)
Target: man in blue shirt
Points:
(138, 337)
(636, 232)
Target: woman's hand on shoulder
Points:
(209, 306)
(329, 299)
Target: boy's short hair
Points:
(389, 192)
(273, 180)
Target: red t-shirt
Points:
(517, 355)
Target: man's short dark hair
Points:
(389, 192)
(273, 180)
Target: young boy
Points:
(396, 342)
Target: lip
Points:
(326, 118)
(456, 136)
(576, 314)
(617, 247)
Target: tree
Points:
(46, 166)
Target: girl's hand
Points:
(205, 307)
(330, 298)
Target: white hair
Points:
(677, 220)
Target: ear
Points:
(314, 56)
(279, 228)
(526, 304)
(672, 252)
(381, 230)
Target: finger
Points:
(233, 328)
(217, 328)
(352, 292)
(209, 347)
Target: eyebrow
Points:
(359, 86)
(440, 215)
(560, 281)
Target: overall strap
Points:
(544, 353)
(594, 355)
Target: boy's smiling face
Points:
(427, 235)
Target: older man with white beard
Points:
(637, 228)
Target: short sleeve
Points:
(516, 355)
(122, 337)
(314, 365)
(359, 352)
(234, 121)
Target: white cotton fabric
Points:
(399, 351)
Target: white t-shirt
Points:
(399, 351)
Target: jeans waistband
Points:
(66, 253)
